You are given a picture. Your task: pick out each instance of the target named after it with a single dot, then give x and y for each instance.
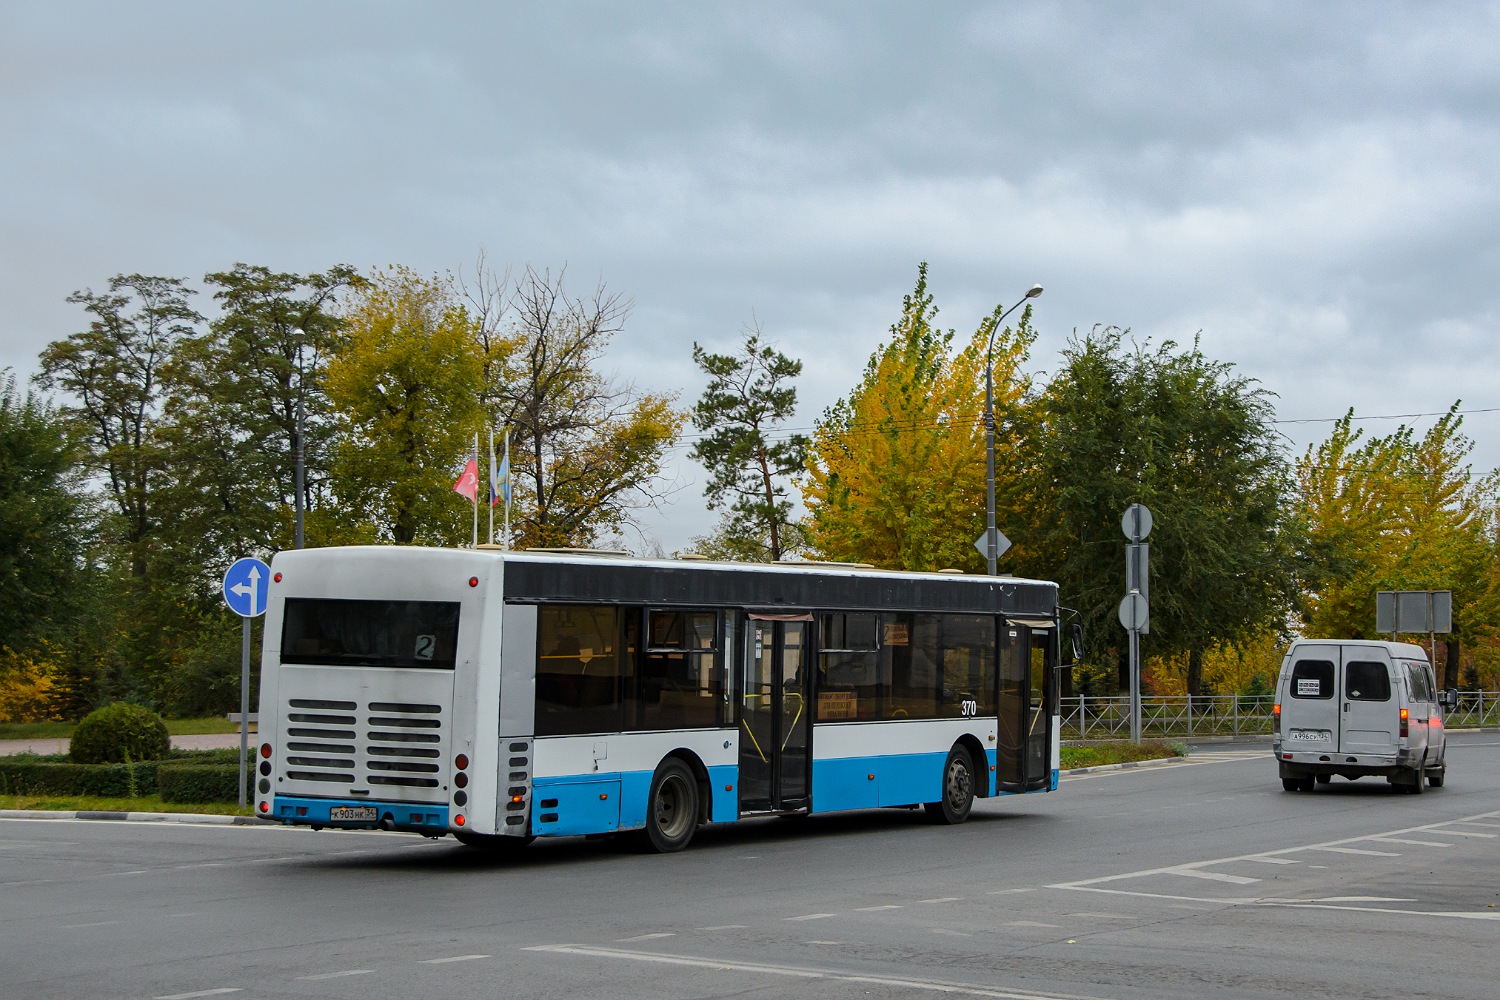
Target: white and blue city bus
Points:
(504, 696)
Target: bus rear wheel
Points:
(672, 812)
(958, 789)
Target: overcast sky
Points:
(1311, 186)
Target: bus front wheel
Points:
(958, 789)
(672, 813)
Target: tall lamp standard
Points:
(301, 475)
(992, 556)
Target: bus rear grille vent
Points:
(336, 706)
(518, 794)
(402, 747)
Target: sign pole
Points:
(1135, 685)
(244, 703)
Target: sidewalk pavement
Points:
(210, 741)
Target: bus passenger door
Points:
(774, 724)
(1026, 698)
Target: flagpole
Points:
(508, 490)
(493, 485)
(476, 491)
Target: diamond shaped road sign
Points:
(1001, 543)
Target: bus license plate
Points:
(1309, 734)
(353, 812)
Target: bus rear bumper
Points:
(356, 814)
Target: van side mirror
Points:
(1450, 699)
(1076, 634)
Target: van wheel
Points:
(1291, 784)
(958, 790)
(1436, 778)
(1324, 779)
(672, 810)
(1418, 783)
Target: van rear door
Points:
(1310, 705)
(1370, 716)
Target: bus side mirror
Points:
(1076, 634)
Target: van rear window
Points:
(1312, 679)
(370, 633)
(1366, 680)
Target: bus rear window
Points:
(420, 634)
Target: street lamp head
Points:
(1035, 291)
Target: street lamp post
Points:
(301, 475)
(991, 556)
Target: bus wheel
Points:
(958, 789)
(672, 813)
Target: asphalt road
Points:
(1182, 881)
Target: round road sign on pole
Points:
(246, 584)
(1134, 611)
(1136, 523)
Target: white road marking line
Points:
(202, 993)
(944, 930)
(1091, 884)
(1275, 861)
(455, 958)
(1213, 876)
(722, 927)
(1357, 899)
(951, 988)
(1357, 850)
(1007, 892)
(1101, 916)
(337, 975)
(1461, 833)
(942, 899)
(1414, 843)
(835, 943)
(875, 909)
(97, 923)
(811, 916)
(647, 937)
(1028, 923)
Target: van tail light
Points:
(1276, 718)
(1405, 718)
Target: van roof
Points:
(1408, 650)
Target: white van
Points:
(1357, 708)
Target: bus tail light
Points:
(1405, 720)
(265, 750)
(461, 762)
(458, 820)
(1276, 718)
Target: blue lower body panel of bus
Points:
(579, 804)
(320, 812)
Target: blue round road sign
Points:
(246, 585)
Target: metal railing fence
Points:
(1105, 718)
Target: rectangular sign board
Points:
(1398, 611)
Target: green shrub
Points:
(29, 775)
(199, 782)
(118, 733)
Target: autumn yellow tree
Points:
(404, 381)
(1399, 512)
(896, 471)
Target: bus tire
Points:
(958, 789)
(672, 810)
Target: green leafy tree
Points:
(402, 380)
(586, 452)
(748, 396)
(233, 396)
(896, 471)
(45, 521)
(112, 373)
(1193, 441)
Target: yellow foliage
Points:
(27, 687)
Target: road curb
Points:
(1159, 762)
(202, 819)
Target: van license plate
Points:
(353, 812)
(1309, 734)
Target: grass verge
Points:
(1097, 754)
(143, 803)
(63, 730)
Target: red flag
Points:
(468, 481)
